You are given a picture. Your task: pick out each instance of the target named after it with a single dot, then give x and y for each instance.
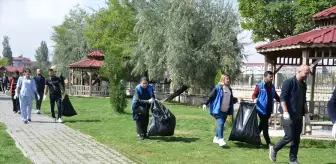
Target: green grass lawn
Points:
(9, 153)
(192, 142)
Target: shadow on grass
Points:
(87, 121)
(175, 139)
(250, 146)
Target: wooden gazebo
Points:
(88, 70)
(314, 48)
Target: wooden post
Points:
(90, 83)
(69, 81)
(265, 63)
(311, 103)
(305, 57)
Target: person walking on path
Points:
(332, 112)
(53, 83)
(221, 105)
(264, 95)
(294, 107)
(40, 84)
(12, 87)
(25, 91)
(4, 82)
(141, 103)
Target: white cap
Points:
(53, 67)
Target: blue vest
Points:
(138, 89)
(215, 106)
(263, 98)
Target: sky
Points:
(28, 22)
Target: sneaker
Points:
(38, 112)
(29, 120)
(272, 154)
(146, 136)
(14, 112)
(60, 120)
(140, 137)
(215, 140)
(25, 121)
(19, 112)
(53, 119)
(294, 162)
(221, 142)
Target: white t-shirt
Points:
(226, 99)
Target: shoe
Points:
(272, 154)
(19, 112)
(215, 140)
(29, 120)
(146, 136)
(140, 137)
(53, 119)
(294, 162)
(25, 121)
(38, 112)
(14, 112)
(60, 120)
(221, 142)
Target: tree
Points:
(70, 44)
(3, 61)
(189, 39)
(275, 19)
(7, 51)
(42, 56)
(111, 31)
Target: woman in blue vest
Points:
(221, 105)
(332, 112)
(141, 103)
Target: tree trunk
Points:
(176, 93)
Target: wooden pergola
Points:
(314, 48)
(89, 66)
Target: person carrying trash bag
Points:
(263, 96)
(143, 98)
(332, 112)
(221, 102)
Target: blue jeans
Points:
(220, 120)
(26, 105)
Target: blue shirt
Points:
(27, 86)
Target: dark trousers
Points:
(293, 129)
(4, 87)
(39, 102)
(16, 104)
(142, 121)
(263, 127)
(58, 99)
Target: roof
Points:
(12, 68)
(87, 63)
(21, 58)
(95, 53)
(317, 36)
(325, 13)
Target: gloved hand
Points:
(204, 107)
(255, 100)
(333, 132)
(307, 118)
(44, 97)
(38, 97)
(16, 96)
(6, 91)
(151, 100)
(286, 116)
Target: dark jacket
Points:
(332, 107)
(12, 86)
(290, 95)
(5, 80)
(40, 83)
(141, 97)
(215, 100)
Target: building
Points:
(22, 61)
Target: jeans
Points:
(293, 129)
(58, 99)
(263, 127)
(220, 120)
(26, 105)
(39, 102)
(142, 121)
(16, 104)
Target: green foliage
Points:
(276, 19)
(111, 31)
(70, 44)
(190, 40)
(42, 56)
(3, 61)
(7, 51)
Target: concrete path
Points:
(45, 142)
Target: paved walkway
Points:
(45, 142)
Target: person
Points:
(53, 83)
(4, 82)
(332, 112)
(11, 88)
(26, 89)
(221, 102)
(264, 95)
(40, 84)
(142, 99)
(293, 107)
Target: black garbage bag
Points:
(245, 127)
(68, 109)
(163, 121)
